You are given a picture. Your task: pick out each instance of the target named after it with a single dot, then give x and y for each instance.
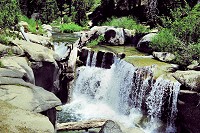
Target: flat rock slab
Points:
(26, 96)
(15, 120)
(37, 52)
(81, 125)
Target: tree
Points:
(9, 13)
(80, 12)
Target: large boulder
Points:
(195, 65)
(15, 120)
(26, 96)
(110, 127)
(19, 64)
(37, 52)
(190, 79)
(164, 56)
(143, 44)
(10, 50)
(115, 36)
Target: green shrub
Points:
(9, 13)
(185, 23)
(181, 35)
(4, 39)
(164, 41)
(127, 23)
(95, 42)
(32, 24)
(70, 28)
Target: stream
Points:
(124, 93)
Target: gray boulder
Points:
(16, 120)
(110, 127)
(195, 65)
(19, 64)
(164, 56)
(26, 96)
(190, 79)
(115, 36)
(143, 44)
(37, 52)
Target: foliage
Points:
(5, 36)
(9, 13)
(79, 14)
(95, 42)
(70, 28)
(49, 11)
(127, 23)
(32, 24)
(164, 41)
(181, 35)
(4, 39)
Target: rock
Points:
(43, 40)
(35, 16)
(4, 72)
(194, 66)
(108, 60)
(189, 79)
(46, 75)
(19, 64)
(143, 44)
(37, 52)
(110, 127)
(26, 96)
(114, 36)
(164, 56)
(121, 55)
(188, 111)
(25, 25)
(47, 27)
(10, 50)
(100, 29)
(15, 120)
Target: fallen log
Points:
(81, 125)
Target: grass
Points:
(95, 42)
(70, 28)
(126, 23)
(4, 39)
(32, 24)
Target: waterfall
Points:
(94, 57)
(88, 59)
(122, 91)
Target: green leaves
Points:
(70, 28)
(9, 13)
(126, 23)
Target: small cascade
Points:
(94, 59)
(121, 92)
(88, 59)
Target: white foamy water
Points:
(122, 93)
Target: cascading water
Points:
(121, 92)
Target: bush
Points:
(9, 13)
(4, 39)
(70, 28)
(95, 42)
(126, 23)
(32, 24)
(164, 41)
(181, 35)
